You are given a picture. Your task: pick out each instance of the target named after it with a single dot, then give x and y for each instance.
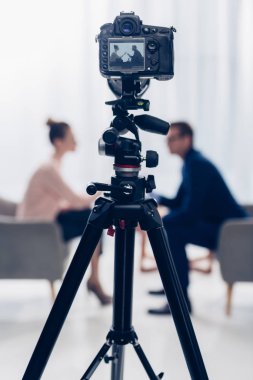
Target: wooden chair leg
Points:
(53, 291)
(229, 299)
(208, 259)
(145, 257)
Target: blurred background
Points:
(49, 68)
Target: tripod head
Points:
(126, 151)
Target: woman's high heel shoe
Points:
(95, 288)
(148, 264)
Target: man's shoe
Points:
(164, 310)
(160, 292)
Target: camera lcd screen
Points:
(126, 55)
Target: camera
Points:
(129, 48)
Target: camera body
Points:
(129, 48)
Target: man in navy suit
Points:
(203, 202)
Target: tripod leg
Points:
(95, 363)
(152, 223)
(151, 374)
(118, 352)
(67, 292)
(159, 242)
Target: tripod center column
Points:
(123, 276)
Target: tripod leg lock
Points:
(101, 216)
(150, 217)
(109, 359)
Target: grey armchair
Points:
(235, 253)
(29, 249)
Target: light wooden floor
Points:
(226, 343)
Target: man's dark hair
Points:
(183, 127)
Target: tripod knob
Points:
(152, 159)
(93, 187)
(125, 188)
(110, 136)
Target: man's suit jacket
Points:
(203, 194)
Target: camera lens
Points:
(127, 27)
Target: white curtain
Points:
(49, 67)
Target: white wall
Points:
(49, 67)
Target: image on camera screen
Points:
(126, 55)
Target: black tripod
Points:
(124, 207)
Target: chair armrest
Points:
(31, 249)
(235, 250)
(7, 207)
(249, 209)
